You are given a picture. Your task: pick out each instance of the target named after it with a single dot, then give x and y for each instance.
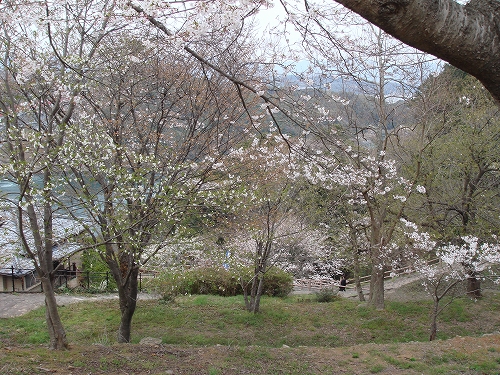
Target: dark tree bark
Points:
(125, 272)
(359, 288)
(256, 284)
(434, 316)
(466, 36)
(57, 334)
(377, 288)
(473, 283)
(128, 304)
(474, 287)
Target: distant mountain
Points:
(338, 85)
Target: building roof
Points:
(12, 254)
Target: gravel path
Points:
(17, 304)
(391, 286)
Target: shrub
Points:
(277, 283)
(326, 295)
(217, 281)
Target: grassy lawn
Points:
(295, 335)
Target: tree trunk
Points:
(467, 36)
(377, 288)
(359, 289)
(57, 333)
(474, 287)
(127, 309)
(377, 276)
(253, 292)
(128, 302)
(256, 306)
(434, 316)
(252, 301)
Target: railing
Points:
(26, 280)
(318, 284)
(315, 284)
(104, 281)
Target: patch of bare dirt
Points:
(464, 355)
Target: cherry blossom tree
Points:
(38, 101)
(360, 149)
(460, 167)
(146, 152)
(264, 222)
(50, 70)
(442, 278)
(349, 231)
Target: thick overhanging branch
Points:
(466, 36)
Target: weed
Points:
(201, 300)
(78, 363)
(484, 366)
(103, 338)
(376, 369)
(103, 363)
(398, 363)
(326, 295)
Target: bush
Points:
(326, 295)
(217, 281)
(277, 283)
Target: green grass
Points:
(213, 320)
(271, 342)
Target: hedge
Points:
(218, 281)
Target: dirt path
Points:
(391, 287)
(17, 304)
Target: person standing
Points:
(343, 283)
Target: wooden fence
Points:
(318, 284)
(26, 280)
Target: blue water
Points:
(9, 191)
(8, 187)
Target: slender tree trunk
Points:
(258, 277)
(474, 286)
(359, 289)
(377, 288)
(252, 301)
(253, 292)
(377, 276)
(57, 333)
(43, 263)
(125, 273)
(434, 316)
(260, 288)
